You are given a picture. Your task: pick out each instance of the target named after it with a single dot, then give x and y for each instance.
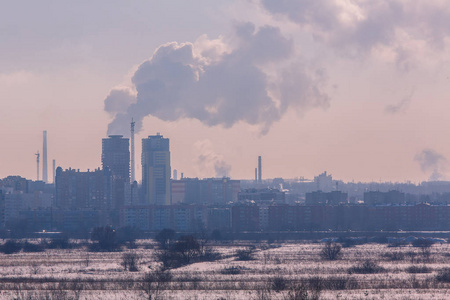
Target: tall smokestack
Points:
(259, 170)
(54, 171)
(44, 158)
(37, 163)
(133, 178)
(256, 175)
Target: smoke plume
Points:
(210, 162)
(253, 76)
(400, 107)
(431, 161)
(401, 28)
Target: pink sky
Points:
(365, 85)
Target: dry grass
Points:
(79, 274)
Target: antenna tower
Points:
(37, 162)
(132, 152)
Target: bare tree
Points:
(331, 251)
(154, 282)
(130, 261)
(425, 247)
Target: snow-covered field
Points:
(80, 274)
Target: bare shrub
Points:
(397, 243)
(394, 256)
(231, 271)
(30, 247)
(35, 268)
(367, 267)
(184, 251)
(418, 269)
(153, 282)
(278, 283)
(412, 256)
(318, 283)
(76, 287)
(300, 291)
(127, 236)
(105, 239)
(263, 294)
(169, 259)
(331, 251)
(187, 247)
(245, 254)
(61, 242)
(424, 245)
(443, 275)
(130, 261)
(165, 238)
(209, 254)
(10, 247)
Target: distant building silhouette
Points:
(116, 156)
(382, 198)
(262, 195)
(156, 170)
(116, 162)
(324, 182)
(330, 198)
(81, 190)
(205, 191)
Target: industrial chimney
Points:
(259, 170)
(54, 171)
(44, 158)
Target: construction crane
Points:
(37, 162)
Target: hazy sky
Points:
(358, 88)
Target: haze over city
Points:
(357, 88)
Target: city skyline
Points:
(359, 89)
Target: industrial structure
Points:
(37, 162)
(44, 158)
(259, 170)
(54, 171)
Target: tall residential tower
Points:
(116, 156)
(156, 170)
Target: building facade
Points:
(156, 170)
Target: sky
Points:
(357, 88)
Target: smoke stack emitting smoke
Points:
(253, 76)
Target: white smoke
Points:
(401, 106)
(431, 161)
(210, 162)
(402, 29)
(252, 76)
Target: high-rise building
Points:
(156, 170)
(116, 160)
(116, 156)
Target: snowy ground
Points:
(79, 274)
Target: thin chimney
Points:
(44, 158)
